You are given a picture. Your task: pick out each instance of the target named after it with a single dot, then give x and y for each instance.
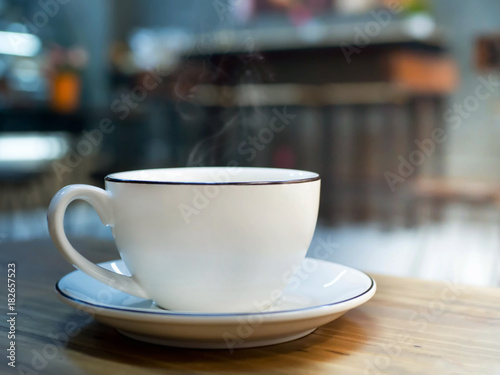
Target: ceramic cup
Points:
(211, 239)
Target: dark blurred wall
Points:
(90, 21)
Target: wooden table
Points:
(410, 327)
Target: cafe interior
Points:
(398, 110)
(394, 103)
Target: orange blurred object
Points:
(424, 73)
(65, 92)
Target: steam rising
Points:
(219, 123)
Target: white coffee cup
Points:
(211, 239)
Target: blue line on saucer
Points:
(212, 315)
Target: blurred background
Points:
(395, 103)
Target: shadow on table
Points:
(337, 339)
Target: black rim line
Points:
(118, 180)
(208, 315)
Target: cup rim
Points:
(115, 177)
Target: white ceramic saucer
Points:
(319, 293)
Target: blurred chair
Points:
(431, 196)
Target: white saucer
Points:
(318, 294)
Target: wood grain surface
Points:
(410, 327)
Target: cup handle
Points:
(100, 200)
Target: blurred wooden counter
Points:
(410, 327)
